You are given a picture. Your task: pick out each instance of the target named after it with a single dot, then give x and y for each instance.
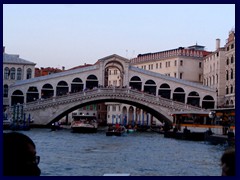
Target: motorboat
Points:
(84, 124)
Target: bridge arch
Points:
(47, 91)
(62, 88)
(179, 95)
(32, 94)
(208, 102)
(193, 98)
(136, 83)
(92, 81)
(164, 91)
(117, 66)
(77, 85)
(150, 87)
(156, 113)
(17, 97)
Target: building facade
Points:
(219, 72)
(182, 63)
(229, 98)
(15, 69)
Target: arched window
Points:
(19, 74)
(231, 89)
(29, 73)
(6, 73)
(227, 102)
(5, 91)
(231, 73)
(227, 62)
(232, 61)
(12, 73)
(226, 90)
(226, 74)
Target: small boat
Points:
(84, 124)
(116, 130)
(131, 129)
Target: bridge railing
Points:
(166, 101)
(113, 91)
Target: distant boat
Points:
(115, 130)
(84, 124)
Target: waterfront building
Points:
(229, 98)
(183, 63)
(15, 69)
(219, 72)
(214, 72)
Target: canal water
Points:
(139, 154)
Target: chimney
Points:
(63, 68)
(217, 44)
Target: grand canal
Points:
(140, 154)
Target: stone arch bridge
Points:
(48, 98)
(50, 110)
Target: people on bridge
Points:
(19, 155)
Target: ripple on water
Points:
(141, 154)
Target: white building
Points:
(15, 69)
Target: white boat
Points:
(84, 123)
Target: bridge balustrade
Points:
(114, 92)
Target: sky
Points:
(69, 35)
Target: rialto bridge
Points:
(49, 98)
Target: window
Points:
(232, 46)
(226, 90)
(232, 59)
(6, 73)
(19, 74)
(227, 62)
(160, 65)
(166, 64)
(149, 67)
(181, 75)
(231, 90)
(181, 62)
(29, 73)
(231, 73)
(113, 108)
(115, 72)
(175, 63)
(227, 75)
(12, 73)
(200, 65)
(156, 65)
(5, 91)
(175, 75)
